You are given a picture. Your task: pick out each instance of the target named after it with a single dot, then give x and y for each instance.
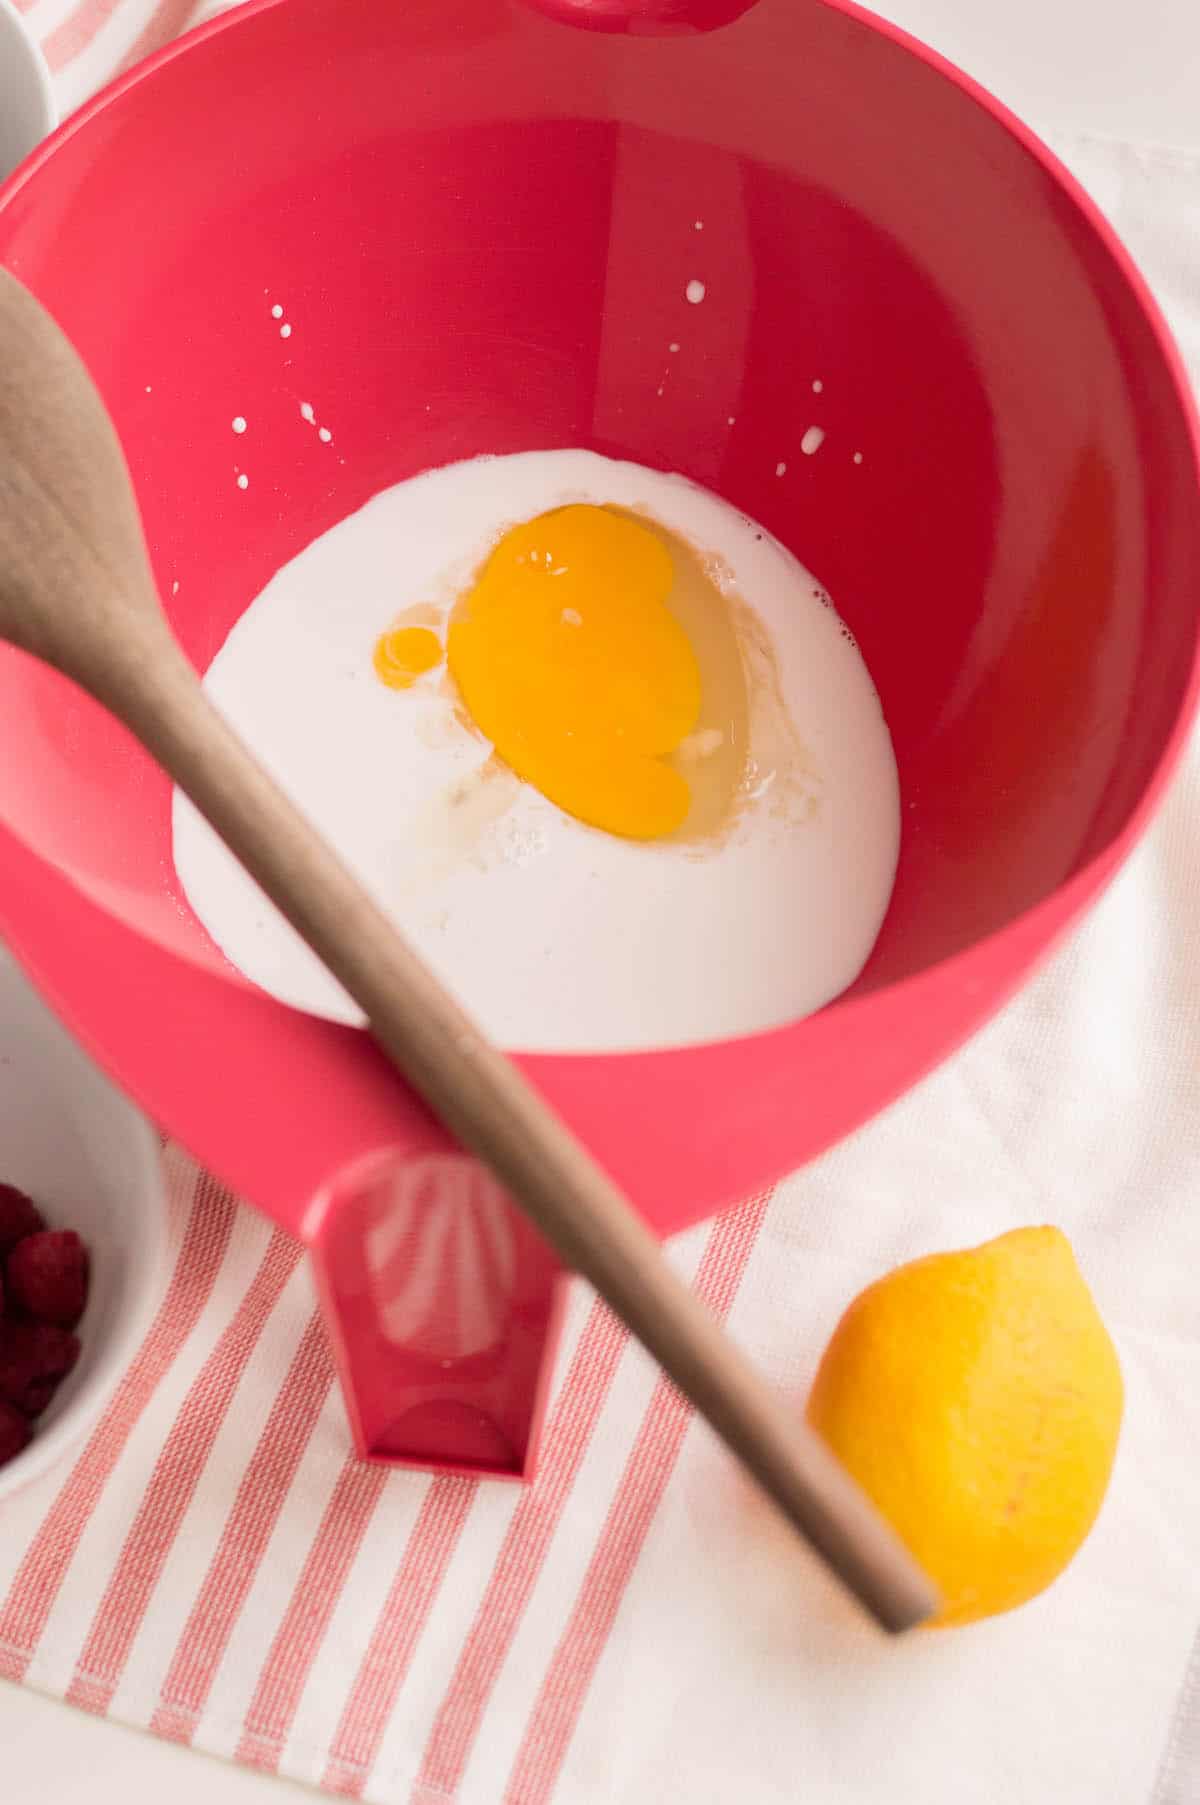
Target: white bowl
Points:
(91, 1163)
(27, 109)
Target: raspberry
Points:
(19, 1216)
(14, 1433)
(47, 1276)
(35, 1357)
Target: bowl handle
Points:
(646, 18)
(442, 1308)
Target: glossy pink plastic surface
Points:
(481, 222)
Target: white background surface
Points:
(1123, 70)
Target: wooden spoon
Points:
(76, 590)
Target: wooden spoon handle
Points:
(75, 589)
(486, 1103)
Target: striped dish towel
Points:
(87, 42)
(217, 1568)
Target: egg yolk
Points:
(405, 654)
(571, 663)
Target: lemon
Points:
(976, 1396)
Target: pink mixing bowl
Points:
(483, 220)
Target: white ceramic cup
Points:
(27, 109)
(91, 1162)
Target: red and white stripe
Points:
(564, 1684)
(203, 1223)
(202, 1570)
(173, 1483)
(245, 1536)
(302, 1629)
